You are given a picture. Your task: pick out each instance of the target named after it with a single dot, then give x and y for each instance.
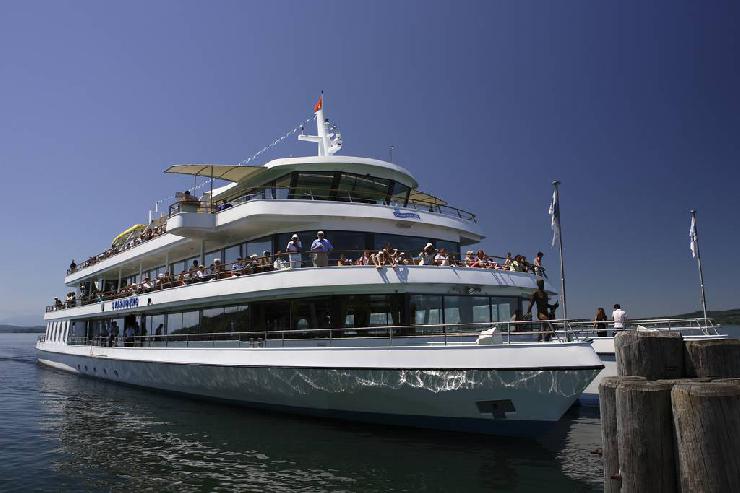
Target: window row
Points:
(318, 313)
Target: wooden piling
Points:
(645, 439)
(718, 358)
(608, 412)
(707, 425)
(653, 355)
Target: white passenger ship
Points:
(396, 345)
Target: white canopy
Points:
(228, 172)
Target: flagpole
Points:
(695, 240)
(555, 185)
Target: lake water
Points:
(60, 431)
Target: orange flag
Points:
(319, 104)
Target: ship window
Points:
(213, 320)
(466, 309)
(311, 313)
(152, 323)
(399, 194)
(174, 323)
(232, 253)
(190, 322)
(503, 308)
(368, 310)
(258, 246)
(349, 243)
(366, 189)
(271, 315)
(212, 255)
(316, 185)
(426, 309)
(236, 318)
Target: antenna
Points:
(390, 153)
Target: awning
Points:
(123, 237)
(425, 198)
(228, 172)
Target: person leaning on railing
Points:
(320, 248)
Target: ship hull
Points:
(506, 401)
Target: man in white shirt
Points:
(294, 249)
(620, 317)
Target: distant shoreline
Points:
(22, 329)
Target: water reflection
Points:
(137, 439)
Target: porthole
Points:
(78, 366)
(85, 367)
(105, 371)
(115, 372)
(95, 369)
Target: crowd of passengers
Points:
(319, 250)
(148, 234)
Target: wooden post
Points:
(645, 437)
(652, 355)
(719, 358)
(608, 412)
(707, 423)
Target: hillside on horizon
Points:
(21, 329)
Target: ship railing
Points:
(686, 326)
(327, 195)
(266, 265)
(394, 335)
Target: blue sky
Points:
(633, 105)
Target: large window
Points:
(232, 253)
(258, 246)
(503, 308)
(316, 185)
(366, 189)
(467, 310)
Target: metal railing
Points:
(265, 264)
(328, 195)
(394, 335)
(510, 332)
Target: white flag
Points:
(554, 212)
(693, 242)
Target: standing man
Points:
(294, 249)
(321, 248)
(541, 299)
(620, 317)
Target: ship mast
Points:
(328, 137)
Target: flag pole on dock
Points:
(694, 246)
(554, 212)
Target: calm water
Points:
(64, 432)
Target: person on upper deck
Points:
(295, 249)
(538, 270)
(620, 317)
(321, 248)
(366, 258)
(427, 255)
(442, 258)
(72, 266)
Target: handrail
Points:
(392, 332)
(564, 330)
(329, 195)
(259, 265)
